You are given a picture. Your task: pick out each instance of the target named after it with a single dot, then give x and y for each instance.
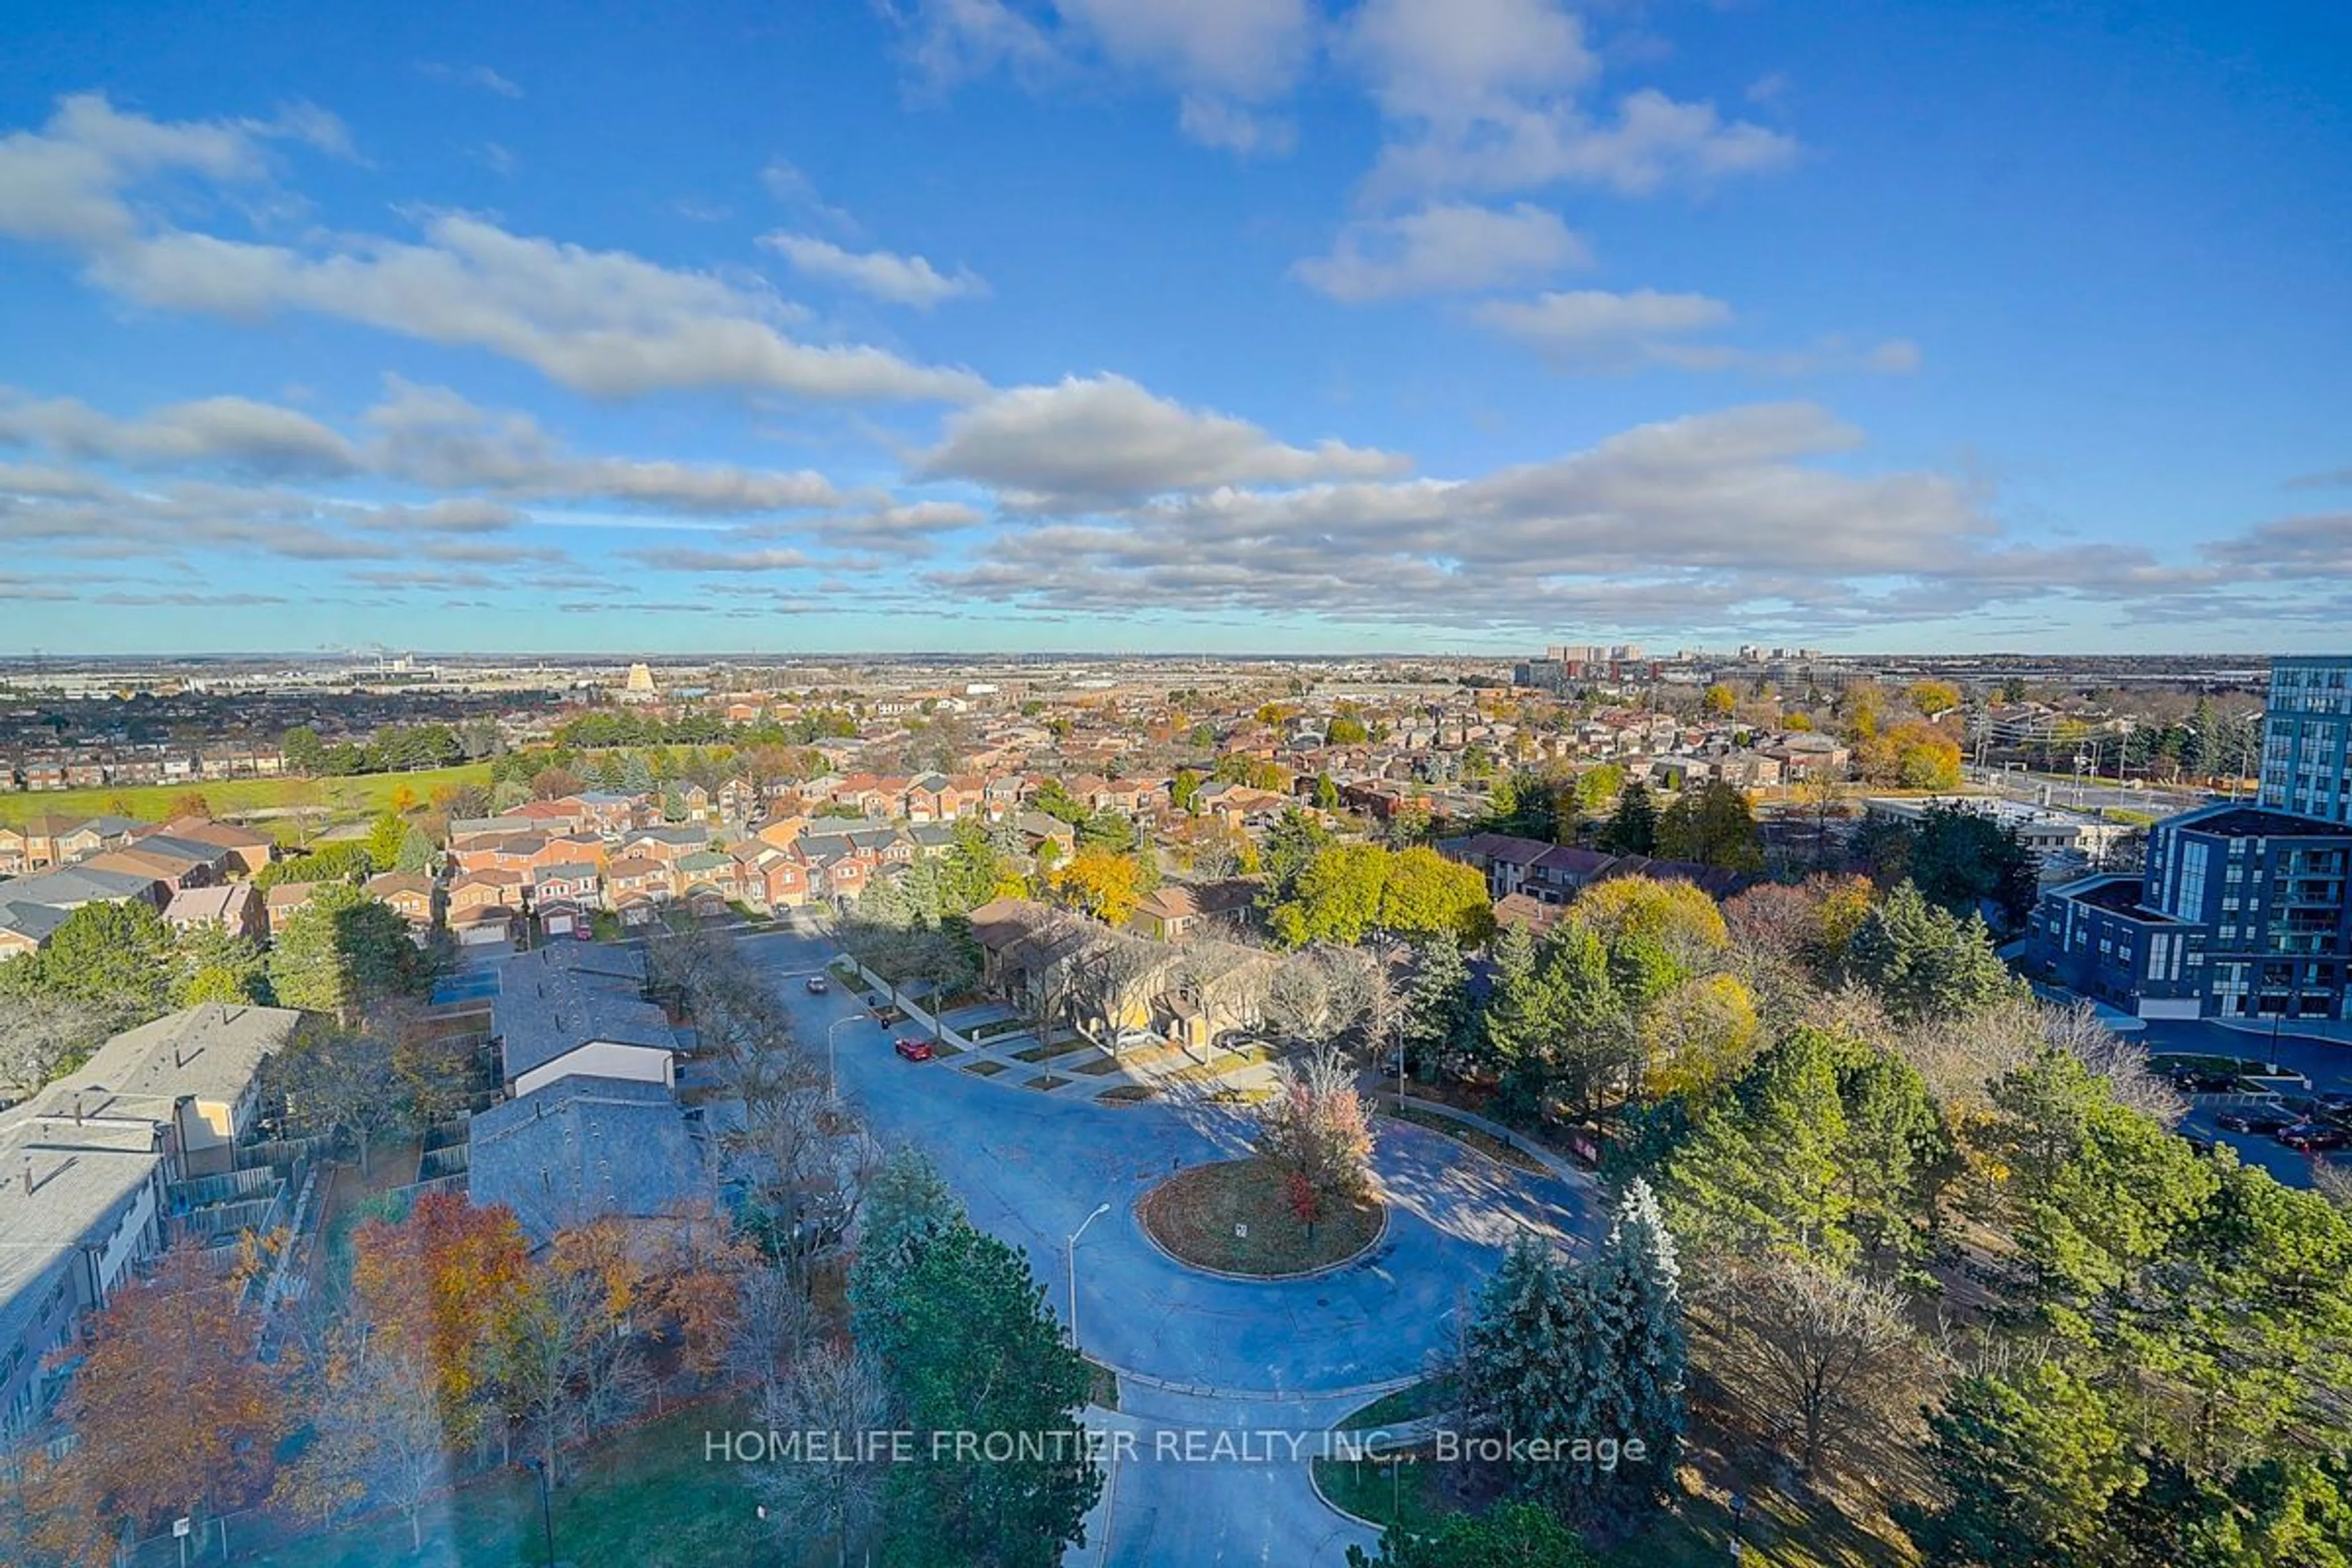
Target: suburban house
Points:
(1176, 910)
(248, 850)
(588, 1147)
(91, 1161)
(285, 901)
(32, 908)
(413, 894)
(580, 1010)
(235, 907)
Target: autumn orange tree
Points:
(172, 1409)
(376, 1436)
(438, 1285)
(684, 1272)
(47, 1521)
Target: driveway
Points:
(1206, 1352)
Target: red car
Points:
(914, 1051)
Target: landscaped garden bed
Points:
(983, 1069)
(1233, 1216)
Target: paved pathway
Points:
(1214, 1353)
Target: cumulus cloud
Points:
(686, 559)
(433, 436)
(1729, 518)
(1593, 330)
(1223, 57)
(229, 432)
(1443, 248)
(885, 275)
(1216, 122)
(66, 182)
(1591, 325)
(603, 323)
(1104, 440)
(1490, 96)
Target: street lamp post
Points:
(546, 1508)
(833, 1058)
(1738, 1523)
(1072, 1255)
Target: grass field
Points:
(339, 800)
(648, 1499)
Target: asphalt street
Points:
(1202, 1353)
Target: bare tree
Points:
(2076, 1030)
(1315, 1132)
(41, 1034)
(775, 1324)
(1832, 1349)
(835, 1390)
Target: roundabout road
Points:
(1222, 1353)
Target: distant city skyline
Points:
(1166, 326)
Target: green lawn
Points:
(1406, 1492)
(1410, 1402)
(1695, 1532)
(343, 799)
(648, 1499)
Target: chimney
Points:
(28, 1173)
(76, 1108)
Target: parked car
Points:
(1135, 1040)
(818, 985)
(2253, 1119)
(2190, 1081)
(914, 1051)
(2310, 1135)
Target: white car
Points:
(1134, 1039)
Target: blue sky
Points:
(1172, 324)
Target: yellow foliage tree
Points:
(1104, 883)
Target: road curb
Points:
(1362, 1392)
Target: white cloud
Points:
(949, 41)
(1442, 248)
(682, 559)
(422, 435)
(230, 432)
(1594, 329)
(603, 323)
(65, 183)
(1654, 140)
(432, 437)
(1487, 95)
(1453, 61)
(1240, 48)
(885, 275)
(1104, 440)
(789, 183)
(1216, 122)
(1589, 325)
(1715, 520)
(482, 76)
(1221, 57)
